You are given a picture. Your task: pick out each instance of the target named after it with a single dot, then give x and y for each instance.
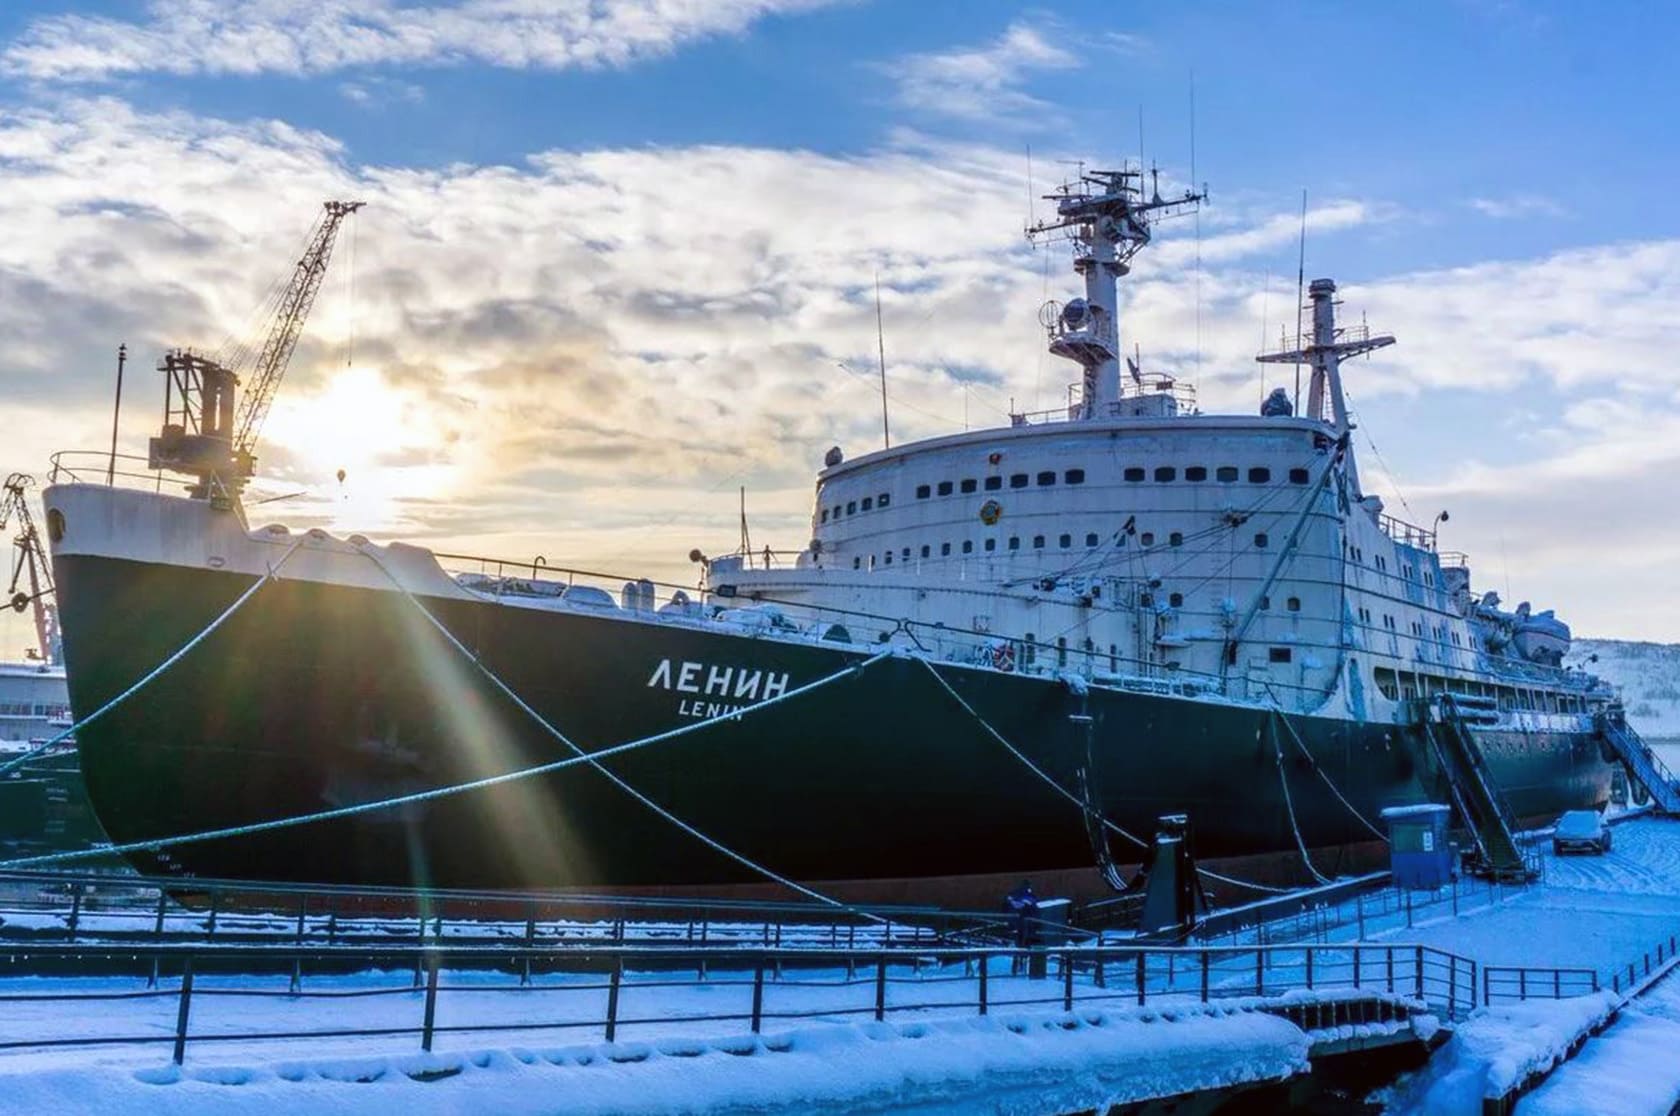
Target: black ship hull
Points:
(316, 695)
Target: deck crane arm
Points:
(263, 380)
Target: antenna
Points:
(1265, 322)
(881, 347)
(1198, 219)
(1300, 295)
(1032, 201)
(116, 413)
(746, 538)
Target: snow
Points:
(1630, 1069)
(1016, 1063)
(1648, 675)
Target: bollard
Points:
(1067, 981)
(430, 1020)
(612, 998)
(1204, 976)
(983, 968)
(758, 998)
(1142, 988)
(880, 988)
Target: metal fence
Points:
(748, 988)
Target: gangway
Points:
(1636, 755)
(1448, 724)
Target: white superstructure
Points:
(1131, 536)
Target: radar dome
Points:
(833, 457)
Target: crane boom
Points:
(31, 559)
(202, 435)
(295, 303)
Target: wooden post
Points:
(1067, 980)
(880, 987)
(758, 997)
(983, 968)
(182, 1012)
(430, 1020)
(612, 999)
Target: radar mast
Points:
(1107, 218)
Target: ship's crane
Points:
(202, 434)
(31, 560)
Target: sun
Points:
(360, 445)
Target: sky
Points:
(618, 260)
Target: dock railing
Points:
(606, 992)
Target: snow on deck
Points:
(1020, 1063)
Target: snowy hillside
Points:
(1649, 677)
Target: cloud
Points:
(319, 36)
(568, 356)
(377, 92)
(984, 82)
(1517, 207)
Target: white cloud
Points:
(317, 36)
(587, 352)
(376, 92)
(1517, 207)
(984, 82)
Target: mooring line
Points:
(1363, 820)
(250, 592)
(1289, 804)
(1050, 780)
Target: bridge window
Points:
(1176, 600)
(1196, 473)
(1299, 476)
(993, 483)
(1293, 604)
(1018, 480)
(944, 550)
(923, 491)
(905, 554)
(927, 551)
(1014, 542)
(825, 515)
(1279, 655)
(1165, 474)
(1147, 538)
(1074, 476)
(851, 507)
(1046, 479)
(1091, 539)
(1226, 474)
(887, 558)
(968, 546)
(1066, 541)
(1262, 540)
(968, 485)
(991, 545)
(883, 499)
(1259, 475)
(1175, 539)
(944, 488)
(1134, 474)
(868, 502)
(1038, 542)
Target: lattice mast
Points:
(1107, 218)
(31, 560)
(1324, 352)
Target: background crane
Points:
(32, 560)
(202, 434)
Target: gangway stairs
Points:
(1636, 755)
(1448, 723)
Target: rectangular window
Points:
(1134, 474)
(944, 488)
(1259, 475)
(1226, 474)
(968, 546)
(868, 502)
(1196, 473)
(1018, 480)
(1038, 542)
(1165, 474)
(1091, 539)
(969, 485)
(1299, 476)
(944, 550)
(883, 499)
(1046, 479)
(1175, 539)
(851, 507)
(991, 545)
(923, 491)
(1014, 542)
(887, 558)
(1147, 538)
(1066, 541)
(825, 515)
(1279, 655)
(993, 483)
(927, 551)
(1074, 476)
(1262, 540)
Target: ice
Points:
(1630, 1069)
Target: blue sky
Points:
(612, 255)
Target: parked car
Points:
(1581, 831)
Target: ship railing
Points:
(1451, 559)
(123, 470)
(1149, 386)
(1407, 534)
(699, 994)
(803, 622)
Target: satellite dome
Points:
(833, 457)
(1075, 313)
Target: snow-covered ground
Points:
(1631, 1069)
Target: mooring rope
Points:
(1050, 780)
(1363, 820)
(273, 571)
(1289, 804)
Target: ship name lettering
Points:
(748, 685)
(705, 711)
